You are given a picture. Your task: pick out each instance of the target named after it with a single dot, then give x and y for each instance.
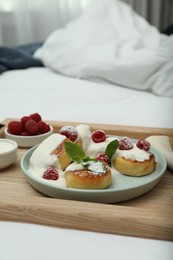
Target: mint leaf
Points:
(78, 155)
(87, 158)
(111, 148)
(75, 152)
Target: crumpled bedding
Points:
(20, 57)
(112, 43)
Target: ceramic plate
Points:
(123, 187)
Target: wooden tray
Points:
(148, 216)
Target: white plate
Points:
(123, 187)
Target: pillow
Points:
(112, 43)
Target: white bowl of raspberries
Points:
(28, 131)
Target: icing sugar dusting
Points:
(96, 167)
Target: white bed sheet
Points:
(28, 241)
(57, 97)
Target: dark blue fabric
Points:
(168, 30)
(20, 57)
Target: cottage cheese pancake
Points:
(134, 159)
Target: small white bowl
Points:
(27, 141)
(8, 152)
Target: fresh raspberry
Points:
(31, 127)
(24, 133)
(36, 117)
(24, 119)
(125, 143)
(43, 127)
(15, 127)
(51, 174)
(143, 145)
(98, 136)
(103, 157)
(70, 132)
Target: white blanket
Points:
(110, 42)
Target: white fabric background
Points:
(25, 21)
(112, 43)
(62, 98)
(26, 241)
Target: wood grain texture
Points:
(148, 216)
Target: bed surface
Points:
(61, 98)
